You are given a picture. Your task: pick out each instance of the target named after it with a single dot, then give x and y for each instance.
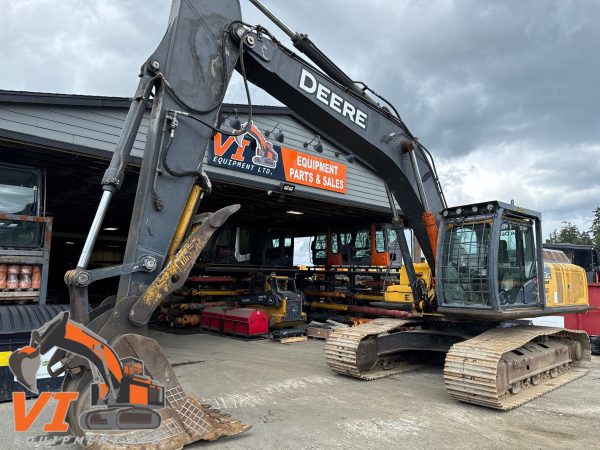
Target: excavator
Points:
(486, 259)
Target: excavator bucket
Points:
(183, 419)
(24, 364)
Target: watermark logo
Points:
(123, 397)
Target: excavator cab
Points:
(490, 263)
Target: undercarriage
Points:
(501, 366)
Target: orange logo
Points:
(122, 396)
(23, 420)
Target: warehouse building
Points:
(71, 138)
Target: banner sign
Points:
(252, 153)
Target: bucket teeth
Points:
(181, 425)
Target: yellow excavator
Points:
(491, 276)
(487, 261)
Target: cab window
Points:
(362, 244)
(334, 244)
(516, 268)
(379, 240)
(319, 246)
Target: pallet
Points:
(318, 333)
(290, 340)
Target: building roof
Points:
(103, 101)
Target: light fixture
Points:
(318, 147)
(279, 137)
(69, 242)
(294, 213)
(287, 188)
(349, 157)
(111, 229)
(235, 123)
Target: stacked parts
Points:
(23, 277)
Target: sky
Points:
(505, 94)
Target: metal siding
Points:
(99, 128)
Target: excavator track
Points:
(504, 368)
(341, 349)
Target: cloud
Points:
(504, 94)
(81, 47)
(562, 184)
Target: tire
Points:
(595, 341)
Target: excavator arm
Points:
(187, 77)
(334, 105)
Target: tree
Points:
(595, 228)
(570, 234)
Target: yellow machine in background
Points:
(565, 283)
(401, 294)
(278, 297)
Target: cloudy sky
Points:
(505, 94)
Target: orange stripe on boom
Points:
(432, 230)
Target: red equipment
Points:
(212, 318)
(245, 322)
(588, 321)
(238, 321)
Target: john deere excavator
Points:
(481, 282)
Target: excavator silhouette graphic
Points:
(265, 155)
(126, 399)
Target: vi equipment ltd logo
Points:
(122, 396)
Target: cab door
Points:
(334, 257)
(379, 246)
